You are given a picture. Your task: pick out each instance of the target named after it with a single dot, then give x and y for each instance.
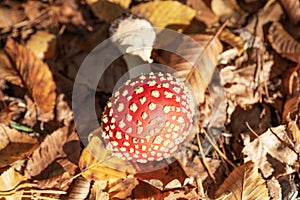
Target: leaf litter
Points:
(255, 52)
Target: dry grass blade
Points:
(245, 182)
(284, 43)
(34, 73)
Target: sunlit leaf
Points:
(165, 13)
(245, 182)
(34, 74)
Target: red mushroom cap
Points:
(148, 117)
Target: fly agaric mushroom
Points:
(148, 118)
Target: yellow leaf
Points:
(165, 13)
(97, 163)
(245, 182)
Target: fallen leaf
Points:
(61, 144)
(34, 74)
(292, 10)
(124, 3)
(283, 42)
(121, 188)
(166, 174)
(274, 189)
(42, 44)
(10, 179)
(9, 18)
(245, 182)
(7, 72)
(165, 13)
(97, 163)
(98, 190)
(271, 143)
(229, 10)
(232, 39)
(15, 145)
(105, 10)
(79, 190)
(204, 13)
(291, 108)
(205, 67)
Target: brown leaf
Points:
(228, 10)
(124, 3)
(42, 44)
(34, 74)
(61, 144)
(7, 72)
(165, 13)
(235, 41)
(283, 42)
(204, 67)
(291, 108)
(292, 9)
(166, 174)
(106, 10)
(245, 182)
(79, 190)
(15, 145)
(10, 179)
(121, 188)
(10, 18)
(97, 163)
(271, 144)
(204, 13)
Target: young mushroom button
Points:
(148, 118)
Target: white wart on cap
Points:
(148, 118)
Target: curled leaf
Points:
(34, 74)
(292, 9)
(284, 43)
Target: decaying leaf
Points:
(166, 174)
(272, 143)
(34, 74)
(97, 163)
(80, 189)
(292, 9)
(291, 108)
(15, 145)
(165, 13)
(204, 67)
(121, 188)
(106, 10)
(61, 145)
(245, 182)
(232, 39)
(284, 43)
(204, 13)
(228, 10)
(42, 44)
(9, 18)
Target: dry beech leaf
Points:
(284, 43)
(245, 182)
(232, 39)
(165, 13)
(61, 146)
(105, 10)
(294, 131)
(42, 44)
(204, 13)
(10, 179)
(121, 188)
(271, 144)
(165, 175)
(292, 9)
(9, 18)
(204, 67)
(80, 189)
(97, 191)
(291, 108)
(34, 74)
(97, 163)
(228, 10)
(124, 3)
(15, 145)
(7, 72)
